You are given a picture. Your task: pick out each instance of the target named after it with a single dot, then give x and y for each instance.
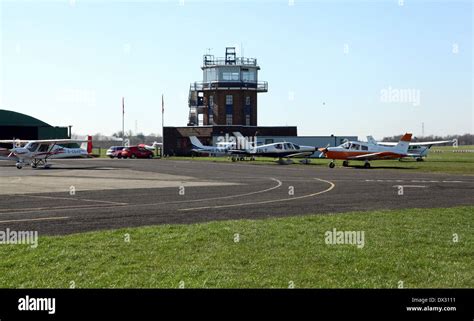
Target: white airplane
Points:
(151, 147)
(37, 152)
(222, 148)
(278, 150)
(417, 150)
(366, 151)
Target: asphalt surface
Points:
(109, 194)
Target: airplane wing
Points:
(300, 154)
(388, 143)
(57, 141)
(417, 144)
(238, 152)
(372, 156)
(431, 143)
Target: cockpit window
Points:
(33, 147)
(288, 146)
(43, 148)
(278, 146)
(296, 146)
(346, 145)
(355, 146)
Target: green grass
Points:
(414, 246)
(444, 162)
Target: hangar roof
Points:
(12, 118)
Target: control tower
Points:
(227, 94)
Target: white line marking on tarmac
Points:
(71, 199)
(265, 202)
(417, 186)
(36, 219)
(53, 208)
(74, 207)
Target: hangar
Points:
(18, 125)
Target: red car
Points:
(136, 152)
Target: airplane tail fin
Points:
(89, 145)
(404, 143)
(242, 142)
(371, 140)
(196, 142)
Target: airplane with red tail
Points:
(366, 151)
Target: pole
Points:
(123, 120)
(162, 125)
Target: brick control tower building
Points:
(227, 94)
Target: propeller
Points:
(324, 150)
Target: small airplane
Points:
(151, 147)
(37, 152)
(278, 150)
(366, 151)
(415, 150)
(222, 148)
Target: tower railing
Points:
(211, 85)
(239, 61)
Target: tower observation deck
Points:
(227, 94)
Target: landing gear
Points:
(39, 162)
(419, 159)
(366, 165)
(305, 161)
(19, 165)
(345, 163)
(331, 165)
(286, 161)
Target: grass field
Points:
(439, 160)
(413, 246)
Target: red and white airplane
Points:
(37, 152)
(366, 151)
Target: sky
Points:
(359, 68)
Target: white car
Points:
(114, 151)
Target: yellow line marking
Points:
(332, 185)
(36, 219)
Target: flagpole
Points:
(162, 125)
(123, 120)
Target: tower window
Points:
(247, 120)
(228, 100)
(228, 119)
(247, 100)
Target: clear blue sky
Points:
(69, 63)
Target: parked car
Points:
(136, 152)
(115, 151)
